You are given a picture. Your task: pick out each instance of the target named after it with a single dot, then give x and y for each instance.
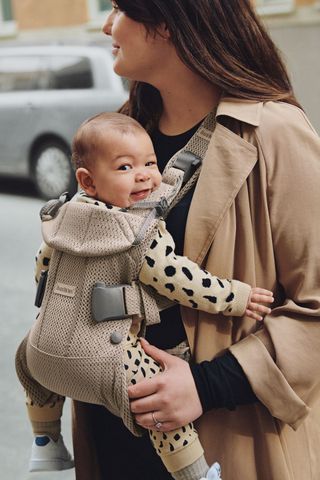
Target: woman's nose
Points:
(107, 27)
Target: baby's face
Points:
(128, 172)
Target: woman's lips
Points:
(115, 49)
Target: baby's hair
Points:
(87, 144)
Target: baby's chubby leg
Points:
(180, 450)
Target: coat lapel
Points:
(228, 162)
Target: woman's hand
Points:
(170, 397)
(255, 308)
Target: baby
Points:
(116, 168)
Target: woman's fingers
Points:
(165, 394)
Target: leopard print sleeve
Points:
(183, 281)
(42, 260)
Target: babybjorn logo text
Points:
(66, 290)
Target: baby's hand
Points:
(255, 308)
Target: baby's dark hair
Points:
(87, 143)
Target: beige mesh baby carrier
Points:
(92, 292)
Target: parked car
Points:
(45, 94)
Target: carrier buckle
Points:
(108, 302)
(51, 208)
(188, 162)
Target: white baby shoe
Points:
(47, 455)
(213, 473)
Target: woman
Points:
(254, 393)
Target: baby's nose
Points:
(142, 176)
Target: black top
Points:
(220, 382)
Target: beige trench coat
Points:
(255, 217)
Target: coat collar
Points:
(226, 166)
(244, 110)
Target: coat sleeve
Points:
(282, 361)
(181, 280)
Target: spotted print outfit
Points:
(181, 281)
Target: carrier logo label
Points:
(65, 290)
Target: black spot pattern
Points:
(188, 291)
(193, 304)
(187, 273)
(177, 437)
(206, 282)
(170, 287)
(170, 271)
(155, 279)
(230, 297)
(46, 261)
(211, 299)
(109, 207)
(153, 244)
(169, 250)
(150, 261)
(220, 283)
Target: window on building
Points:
(98, 7)
(97, 11)
(104, 5)
(7, 24)
(6, 11)
(274, 6)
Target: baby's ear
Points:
(85, 180)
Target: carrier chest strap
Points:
(117, 302)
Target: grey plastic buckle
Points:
(188, 162)
(52, 206)
(107, 302)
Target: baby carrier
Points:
(92, 294)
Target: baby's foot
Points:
(213, 473)
(48, 455)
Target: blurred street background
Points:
(295, 27)
(20, 238)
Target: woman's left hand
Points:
(170, 397)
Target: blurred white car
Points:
(45, 94)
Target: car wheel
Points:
(52, 170)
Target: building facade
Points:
(17, 17)
(293, 24)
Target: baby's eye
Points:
(125, 167)
(151, 163)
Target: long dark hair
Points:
(221, 40)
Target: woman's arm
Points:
(220, 383)
(284, 357)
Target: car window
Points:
(68, 72)
(56, 72)
(22, 73)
